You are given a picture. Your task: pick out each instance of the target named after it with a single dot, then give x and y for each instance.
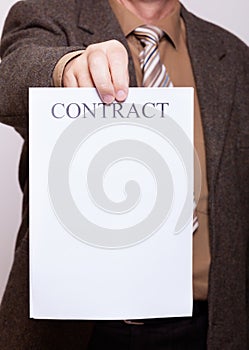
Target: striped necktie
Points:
(154, 72)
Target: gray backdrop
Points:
(229, 15)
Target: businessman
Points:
(102, 44)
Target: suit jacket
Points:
(37, 34)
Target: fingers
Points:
(76, 73)
(98, 65)
(103, 66)
(118, 65)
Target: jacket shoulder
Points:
(212, 34)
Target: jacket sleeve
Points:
(36, 35)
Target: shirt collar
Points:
(171, 24)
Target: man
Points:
(92, 43)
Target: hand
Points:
(103, 66)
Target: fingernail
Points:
(108, 99)
(121, 95)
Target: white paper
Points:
(108, 236)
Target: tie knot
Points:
(148, 34)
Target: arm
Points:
(32, 43)
(35, 38)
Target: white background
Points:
(231, 15)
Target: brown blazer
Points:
(39, 32)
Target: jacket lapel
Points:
(98, 24)
(215, 82)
